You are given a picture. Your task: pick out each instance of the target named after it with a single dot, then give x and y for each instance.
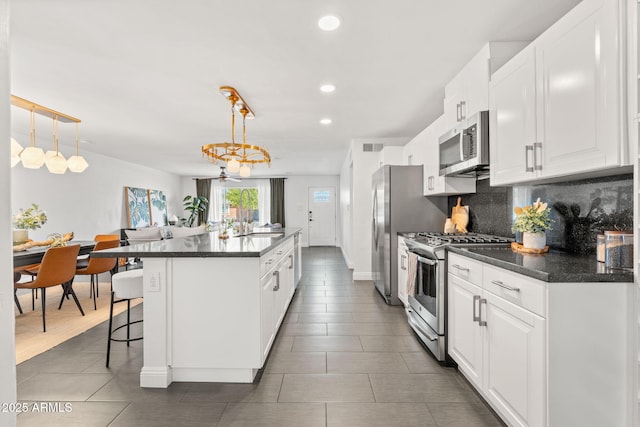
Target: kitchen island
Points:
(212, 307)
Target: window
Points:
(321, 197)
(236, 209)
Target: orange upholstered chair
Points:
(96, 266)
(58, 267)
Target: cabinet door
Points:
(403, 261)
(267, 314)
(464, 333)
(514, 373)
(453, 97)
(579, 116)
(513, 120)
(475, 84)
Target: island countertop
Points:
(204, 245)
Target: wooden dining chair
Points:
(58, 267)
(96, 266)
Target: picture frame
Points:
(138, 207)
(158, 206)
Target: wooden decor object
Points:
(460, 216)
(518, 247)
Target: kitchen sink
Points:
(268, 234)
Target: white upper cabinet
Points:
(557, 106)
(512, 123)
(468, 92)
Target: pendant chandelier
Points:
(34, 157)
(238, 157)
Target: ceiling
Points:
(143, 75)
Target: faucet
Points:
(243, 223)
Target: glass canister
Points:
(618, 252)
(600, 247)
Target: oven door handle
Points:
(417, 326)
(426, 260)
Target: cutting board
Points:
(460, 216)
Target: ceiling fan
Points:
(224, 177)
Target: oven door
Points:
(426, 307)
(428, 299)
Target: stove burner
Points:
(434, 239)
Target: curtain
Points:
(203, 189)
(216, 201)
(277, 200)
(264, 201)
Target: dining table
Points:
(35, 254)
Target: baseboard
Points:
(347, 260)
(363, 275)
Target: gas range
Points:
(433, 243)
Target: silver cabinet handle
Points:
(290, 262)
(480, 321)
(458, 112)
(476, 317)
(276, 287)
(537, 146)
(528, 148)
(507, 287)
(459, 267)
(463, 105)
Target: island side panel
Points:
(215, 319)
(156, 371)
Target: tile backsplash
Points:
(581, 209)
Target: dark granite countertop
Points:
(203, 246)
(555, 266)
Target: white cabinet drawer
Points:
(269, 260)
(465, 268)
(521, 290)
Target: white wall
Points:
(364, 164)
(92, 202)
(7, 318)
(346, 209)
(296, 202)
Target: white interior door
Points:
(322, 216)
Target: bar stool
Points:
(125, 286)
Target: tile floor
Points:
(342, 358)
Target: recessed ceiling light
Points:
(328, 88)
(326, 121)
(329, 23)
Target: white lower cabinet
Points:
(465, 335)
(542, 354)
(498, 345)
(277, 288)
(403, 270)
(514, 361)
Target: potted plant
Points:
(31, 218)
(533, 221)
(194, 205)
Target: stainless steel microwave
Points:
(465, 149)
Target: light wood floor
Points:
(62, 324)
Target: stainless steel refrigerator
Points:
(399, 206)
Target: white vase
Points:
(20, 236)
(534, 240)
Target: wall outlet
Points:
(154, 282)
